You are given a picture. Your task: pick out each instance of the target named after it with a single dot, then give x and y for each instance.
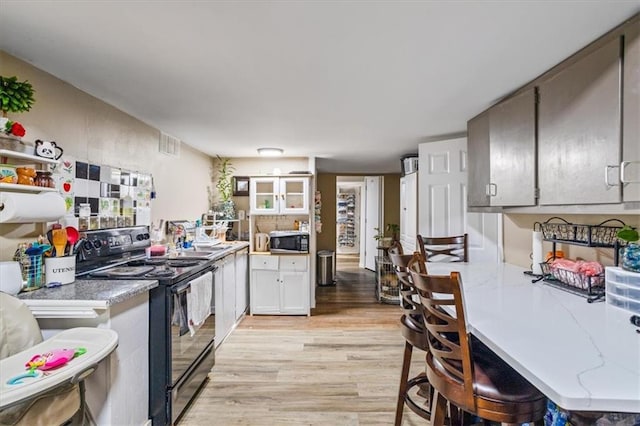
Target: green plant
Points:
(628, 234)
(15, 96)
(223, 184)
(394, 228)
(391, 227)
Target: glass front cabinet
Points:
(279, 195)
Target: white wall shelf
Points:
(13, 154)
(25, 188)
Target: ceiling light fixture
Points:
(270, 152)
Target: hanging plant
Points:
(15, 96)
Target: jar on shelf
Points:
(85, 210)
(26, 175)
(44, 179)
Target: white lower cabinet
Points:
(230, 293)
(242, 282)
(280, 285)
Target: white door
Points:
(294, 195)
(373, 219)
(218, 303)
(228, 295)
(294, 296)
(443, 201)
(263, 195)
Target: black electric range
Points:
(180, 357)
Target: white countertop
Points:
(583, 356)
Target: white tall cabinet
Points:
(409, 212)
(280, 284)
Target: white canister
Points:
(60, 269)
(10, 278)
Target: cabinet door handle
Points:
(491, 189)
(606, 176)
(623, 167)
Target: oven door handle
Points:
(181, 289)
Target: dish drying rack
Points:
(558, 230)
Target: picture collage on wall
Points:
(111, 192)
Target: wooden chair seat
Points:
(493, 379)
(414, 335)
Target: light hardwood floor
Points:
(341, 366)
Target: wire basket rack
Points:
(574, 282)
(387, 285)
(602, 235)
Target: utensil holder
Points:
(33, 273)
(60, 269)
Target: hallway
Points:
(340, 366)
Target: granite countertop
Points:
(88, 293)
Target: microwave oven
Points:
(289, 242)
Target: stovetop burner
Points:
(159, 273)
(124, 271)
(174, 263)
(152, 261)
(182, 262)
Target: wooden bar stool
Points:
(411, 325)
(463, 371)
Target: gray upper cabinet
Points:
(479, 156)
(579, 147)
(630, 165)
(512, 136)
(501, 148)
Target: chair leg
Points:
(404, 377)
(438, 409)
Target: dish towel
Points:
(199, 301)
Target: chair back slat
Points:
(408, 293)
(444, 249)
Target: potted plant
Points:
(16, 97)
(225, 208)
(381, 238)
(631, 252)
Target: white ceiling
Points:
(355, 83)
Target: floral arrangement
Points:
(11, 128)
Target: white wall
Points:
(89, 129)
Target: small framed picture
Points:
(241, 186)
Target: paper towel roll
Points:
(536, 252)
(17, 207)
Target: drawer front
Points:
(293, 263)
(264, 262)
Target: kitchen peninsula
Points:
(114, 394)
(583, 356)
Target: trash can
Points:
(326, 267)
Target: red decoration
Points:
(17, 129)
